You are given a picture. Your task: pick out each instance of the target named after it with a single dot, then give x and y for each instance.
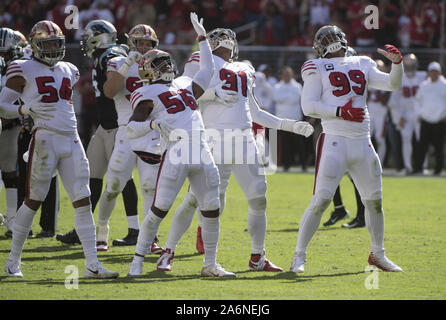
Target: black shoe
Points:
(130, 239)
(69, 237)
(45, 234)
(8, 234)
(355, 223)
(336, 216)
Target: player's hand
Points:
(134, 57)
(298, 127)
(198, 25)
(352, 114)
(37, 109)
(226, 96)
(391, 53)
(162, 128)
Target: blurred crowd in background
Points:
(409, 24)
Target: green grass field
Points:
(415, 218)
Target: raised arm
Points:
(204, 76)
(388, 81)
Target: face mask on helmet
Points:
(142, 38)
(410, 63)
(9, 44)
(98, 34)
(157, 66)
(225, 38)
(329, 39)
(47, 42)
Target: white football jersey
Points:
(56, 84)
(240, 78)
(173, 103)
(343, 78)
(374, 105)
(148, 143)
(402, 102)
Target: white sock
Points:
(85, 229)
(210, 231)
(133, 222)
(11, 203)
(20, 230)
(310, 222)
(149, 228)
(257, 229)
(106, 205)
(181, 221)
(374, 221)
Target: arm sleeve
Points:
(14, 70)
(386, 81)
(260, 116)
(8, 109)
(203, 77)
(311, 99)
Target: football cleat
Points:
(216, 271)
(165, 261)
(259, 262)
(298, 263)
(135, 269)
(101, 246)
(8, 234)
(70, 237)
(130, 239)
(99, 272)
(45, 234)
(336, 216)
(155, 248)
(13, 269)
(382, 262)
(199, 244)
(355, 223)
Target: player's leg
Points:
(331, 162)
(169, 182)
(74, 173)
(406, 140)
(438, 142)
(42, 163)
(359, 220)
(380, 136)
(119, 172)
(339, 212)
(8, 167)
(50, 209)
(366, 172)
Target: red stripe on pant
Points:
(158, 177)
(319, 146)
(30, 162)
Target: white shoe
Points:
(13, 269)
(165, 261)
(2, 219)
(382, 262)
(216, 271)
(298, 264)
(98, 271)
(135, 269)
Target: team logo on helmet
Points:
(329, 39)
(98, 34)
(141, 32)
(9, 44)
(47, 42)
(225, 38)
(157, 65)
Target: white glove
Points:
(162, 128)
(136, 129)
(226, 96)
(299, 127)
(198, 25)
(37, 109)
(133, 57)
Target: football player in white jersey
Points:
(46, 79)
(376, 105)
(229, 107)
(171, 103)
(9, 51)
(335, 90)
(402, 108)
(122, 80)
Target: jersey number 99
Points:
(339, 79)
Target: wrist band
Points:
(338, 112)
(201, 38)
